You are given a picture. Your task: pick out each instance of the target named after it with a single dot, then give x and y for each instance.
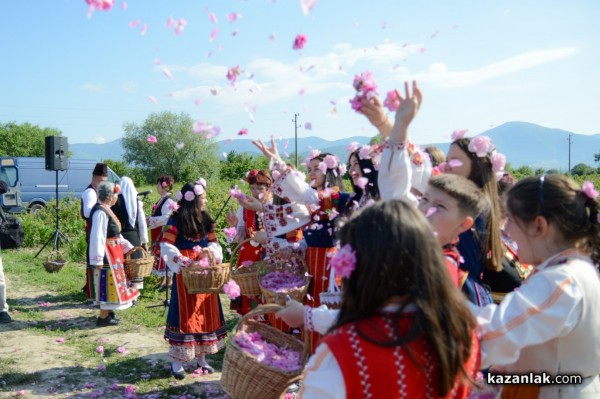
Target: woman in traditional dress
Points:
(195, 322)
(130, 211)
(109, 289)
(161, 211)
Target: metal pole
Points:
(296, 137)
(569, 139)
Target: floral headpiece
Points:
(344, 261)
(328, 162)
(117, 189)
(199, 189)
(589, 190)
(367, 151)
(482, 146)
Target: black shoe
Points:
(107, 322)
(179, 375)
(113, 316)
(5, 318)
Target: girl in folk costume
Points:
(161, 211)
(130, 211)
(481, 247)
(403, 330)
(108, 284)
(249, 224)
(551, 323)
(363, 166)
(195, 322)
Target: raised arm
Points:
(406, 112)
(269, 152)
(375, 113)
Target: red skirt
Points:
(243, 304)
(158, 268)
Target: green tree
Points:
(375, 140)
(539, 171)
(582, 169)
(178, 151)
(121, 168)
(24, 140)
(237, 165)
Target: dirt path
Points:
(55, 355)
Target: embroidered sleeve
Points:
(97, 246)
(126, 246)
(88, 199)
(394, 179)
(323, 377)
(171, 255)
(548, 305)
(292, 186)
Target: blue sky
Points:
(484, 63)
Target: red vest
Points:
(373, 371)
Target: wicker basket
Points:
(297, 294)
(243, 377)
(54, 262)
(206, 280)
(333, 296)
(138, 268)
(246, 277)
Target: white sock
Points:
(177, 366)
(202, 361)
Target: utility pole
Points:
(570, 142)
(296, 137)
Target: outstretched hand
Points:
(409, 106)
(269, 152)
(373, 110)
(250, 203)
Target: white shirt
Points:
(89, 198)
(165, 211)
(97, 245)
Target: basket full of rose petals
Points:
(260, 360)
(205, 276)
(246, 274)
(282, 278)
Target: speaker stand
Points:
(56, 237)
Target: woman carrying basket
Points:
(109, 284)
(195, 322)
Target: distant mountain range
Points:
(522, 143)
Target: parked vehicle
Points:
(31, 186)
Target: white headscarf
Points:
(129, 193)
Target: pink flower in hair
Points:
(189, 196)
(330, 161)
(312, 154)
(365, 152)
(344, 261)
(201, 181)
(352, 147)
(231, 289)
(163, 184)
(392, 102)
(498, 162)
(343, 169)
(458, 134)
(480, 145)
(198, 189)
(322, 167)
(178, 196)
(589, 190)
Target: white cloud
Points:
(439, 75)
(99, 140)
(93, 87)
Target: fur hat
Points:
(101, 169)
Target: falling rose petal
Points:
(435, 34)
(308, 126)
(455, 163)
(243, 132)
(60, 340)
(299, 41)
(197, 101)
(384, 25)
(235, 32)
(366, 171)
(152, 99)
(199, 127)
(431, 211)
(167, 73)
(301, 92)
(213, 18)
(307, 5)
(134, 24)
(214, 34)
(144, 29)
(151, 139)
(287, 143)
(272, 37)
(214, 92)
(422, 49)
(179, 146)
(157, 61)
(455, 26)
(233, 16)
(362, 182)
(228, 141)
(123, 6)
(209, 54)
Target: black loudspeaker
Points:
(56, 153)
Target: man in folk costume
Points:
(130, 211)
(195, 322)
(89, 198)
(249, 224)
(161, 211)
(108, 283)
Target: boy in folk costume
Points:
(195, 322)
(108, 283)
(89, 198)
(161, 211)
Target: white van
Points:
(31, 186)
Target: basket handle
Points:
(128, 254)
(290, 382)
(235, 251)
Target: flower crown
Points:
(199, 189)
(367, 151)
(482, 146)
(329, 162)
(117, 189)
